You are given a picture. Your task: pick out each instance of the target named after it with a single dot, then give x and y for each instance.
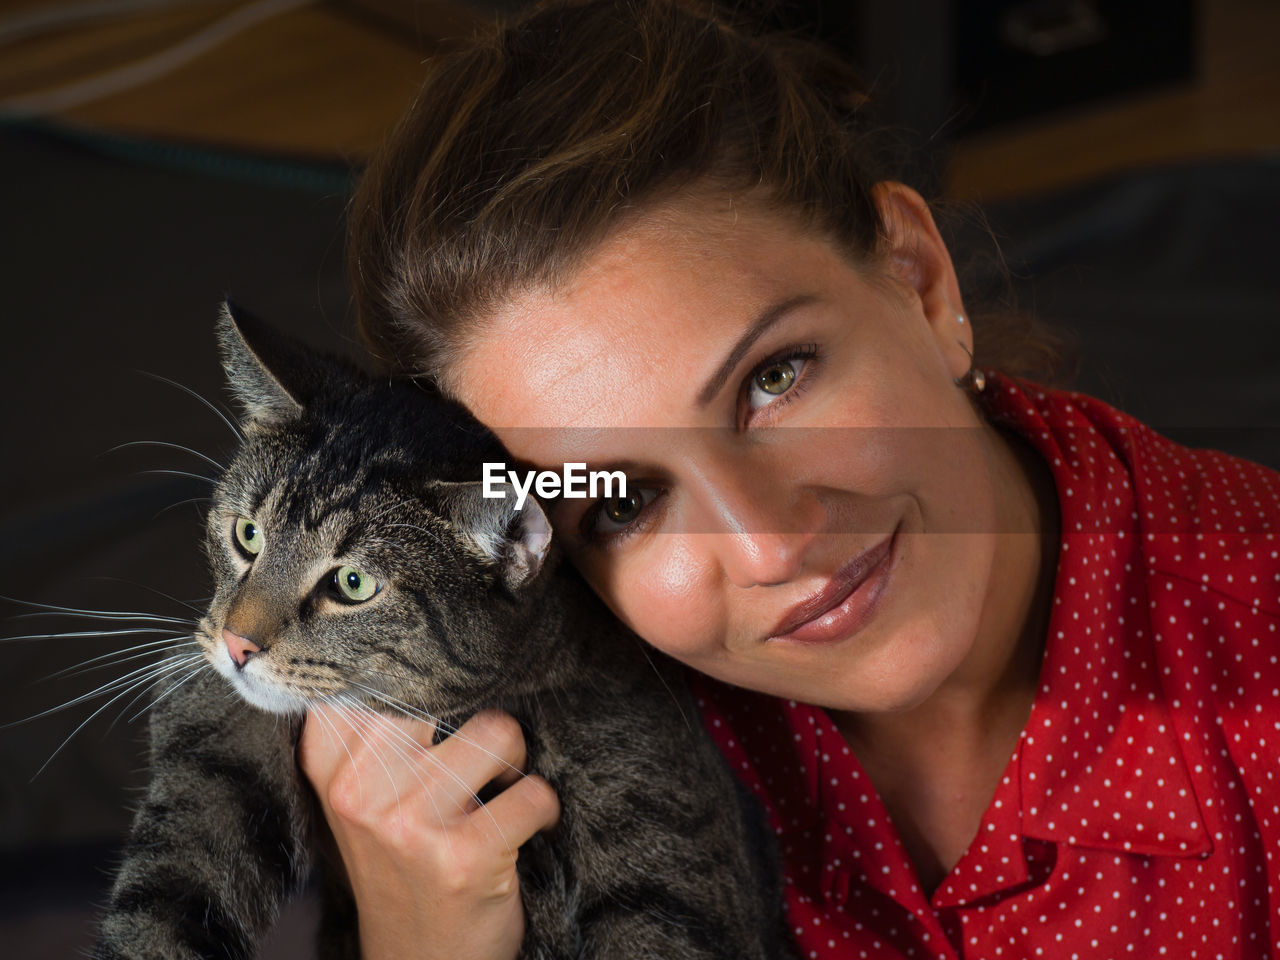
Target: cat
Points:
(447, 602)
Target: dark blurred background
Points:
(157, 154)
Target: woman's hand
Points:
(433, 871)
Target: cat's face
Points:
(350, 555)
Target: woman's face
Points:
(789, 426)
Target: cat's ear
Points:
(517, 540)
(271, 374)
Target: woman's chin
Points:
(909, 669)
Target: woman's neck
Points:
(937, 764)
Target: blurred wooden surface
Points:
(327, 80)
(1233, 107)
(324, 80)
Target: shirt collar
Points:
(1100, 760)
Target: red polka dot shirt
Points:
(1140, 813)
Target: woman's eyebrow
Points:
(753, 333)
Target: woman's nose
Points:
(758, 526)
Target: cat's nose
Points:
(240, 648)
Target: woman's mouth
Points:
(848, 600)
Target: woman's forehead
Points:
(630, 336)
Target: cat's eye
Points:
(248, 536)
(352, 585)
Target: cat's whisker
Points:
(180, 503)
(185, 389)
(103, 614)
(387, 727)
(169, 624)
(174, 621)
(373, 720)
(182, 473)
(383, 723)
(195, 671)
(150, 589)
(142, 692)
(416, 770)
(347, 716)
(406, 678)
(384, 511)
(89, 633)
(158, 672)
(412, 526)
(418, 714)
(408, 709)
(110, 687)
(352, 709)
(117, 657)
(330, 726)
(173, 446)
(425, 753)
(644, 650)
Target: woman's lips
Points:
(844, 604)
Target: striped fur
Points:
(658, 854)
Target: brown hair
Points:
(528, 144)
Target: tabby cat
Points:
(349, 540)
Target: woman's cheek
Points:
(668, 595)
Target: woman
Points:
(999, 661)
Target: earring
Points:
(974, 381)
(959, 318)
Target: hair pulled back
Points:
(528, 144)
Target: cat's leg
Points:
(625, 931)
(551, 932)
(668, 858)
(653, 918)
(222, 836)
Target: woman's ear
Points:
(918, 257)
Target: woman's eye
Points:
(352, 585)
(618, 513)
(248, 536)
(774, 378)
